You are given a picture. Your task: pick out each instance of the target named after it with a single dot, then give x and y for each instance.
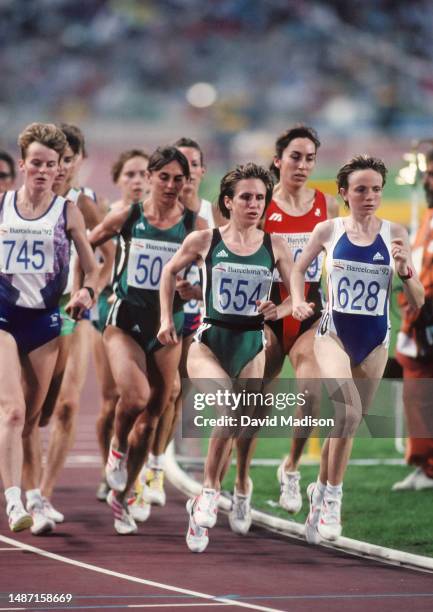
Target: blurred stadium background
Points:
(233, 74)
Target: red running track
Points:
(154, 569)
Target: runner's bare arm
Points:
(401, 253)
(82, 299)
(110, 226)
(193, 248)
(318, 239)
(284, 264)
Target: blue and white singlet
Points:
(34, 255)
(359, 285)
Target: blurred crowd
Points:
(364, 63)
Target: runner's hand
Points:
(267, 309)
(400, 254)
(78, 303)
(187, 291)
(167, 334)
(303, 310)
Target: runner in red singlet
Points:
(294, 211)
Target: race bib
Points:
(297, 244)
(359, 288)
(27, 248)
(235, 288)
(146, 260)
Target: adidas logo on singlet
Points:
(317, 212)
(378, 257)
(140, 226)
(136, 328)
(222, 253)
(276, 217)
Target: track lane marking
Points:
(159, 585)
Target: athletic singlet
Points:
(143, 252)
(232, 284)
(359, 283)
(297, 230)
(34, 254)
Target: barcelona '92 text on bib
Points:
(297, 243)
(26, 248)
(359, 288)
(236, 288)
(147, 259)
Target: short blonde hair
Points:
(46, 134)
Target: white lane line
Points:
(174, 605)
(89, 460)
(10, 549)
(159, 585)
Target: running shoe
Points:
(51, 512)
(311, 534)
(18, 517)
(154, 487)
(290, 491)
(139, 508)
(102, 491)
(124, 524)
(205, 508)
(41, 522)
(197, 537)
(415, 481)
(329, 526)
(240, 514)
(116, 473)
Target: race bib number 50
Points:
(26, 249)
(359, 288)
(146, 260)
(236, 288)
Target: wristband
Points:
(91, 292)
(405, 277)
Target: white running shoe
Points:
(197, 537)
(116, 473)
(240, 514)
(102, 491)
(41, 522)
(139, 508)
(51, 512)
(415, 481)
(154, 487)
(18, 517)
(311, 534)
(290, 491)
(329, 526)
(124, 524)
(205, 508)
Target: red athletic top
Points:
(297, 231)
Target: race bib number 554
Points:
(236, 288)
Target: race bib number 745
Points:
(26, 249)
